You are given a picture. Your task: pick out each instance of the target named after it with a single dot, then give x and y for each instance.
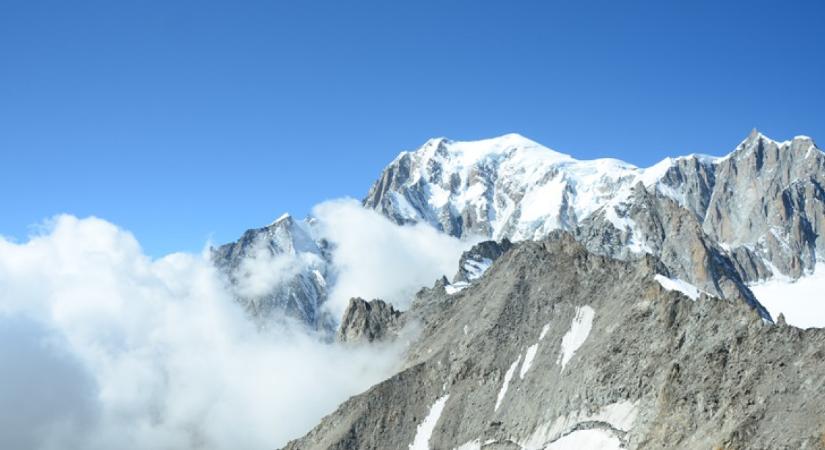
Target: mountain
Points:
(279, 272)
(610, 307)
(721, 224)
(715, 222)
(557, 347)
(765, 197)
(506, 187)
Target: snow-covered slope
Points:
(505, 187)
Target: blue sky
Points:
(186, 120)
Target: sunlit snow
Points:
(675, 284)
(802, 302)
(425, 430)
(578, 333)
(507, 377)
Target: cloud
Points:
(260, 272)
(375, 258)
(45, 392)
(113, 349)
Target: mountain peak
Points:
(753, 137)
(285, 217)
(469, 152)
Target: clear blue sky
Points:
(181, 120)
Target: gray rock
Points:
(612, 352)
(672, 233)
(769, 197)
(365, 321)
(474, 262)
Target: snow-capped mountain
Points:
(280, 271)
(718, 223)
(758, 211)
(612, 307)
(765, 196)
(506, 187)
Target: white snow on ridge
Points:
(425, 430)
(475, 269)
(507, 377)
(456, 287)
(675, 284)
(578, 333)
(801, 301)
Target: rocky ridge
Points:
(555, 346)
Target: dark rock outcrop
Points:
(365, 321)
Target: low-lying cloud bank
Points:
(104, 347)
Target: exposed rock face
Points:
(279, 271)
(477, 260)
(769, 197)
(659, 225)
(555, 344)
(365, 321)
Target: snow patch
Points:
(635, 242)
(801, 301)
(675, 284)
(426, 428)
(528, 359)
(475, 269)
(578, 333)
(471, 445)
(544, 331)
(593, 439)
(507, 377)
(620, 415)
(456, 287)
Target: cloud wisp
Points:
(375, 258)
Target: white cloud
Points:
(376, 258)
(141, 353)
(263, 270)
